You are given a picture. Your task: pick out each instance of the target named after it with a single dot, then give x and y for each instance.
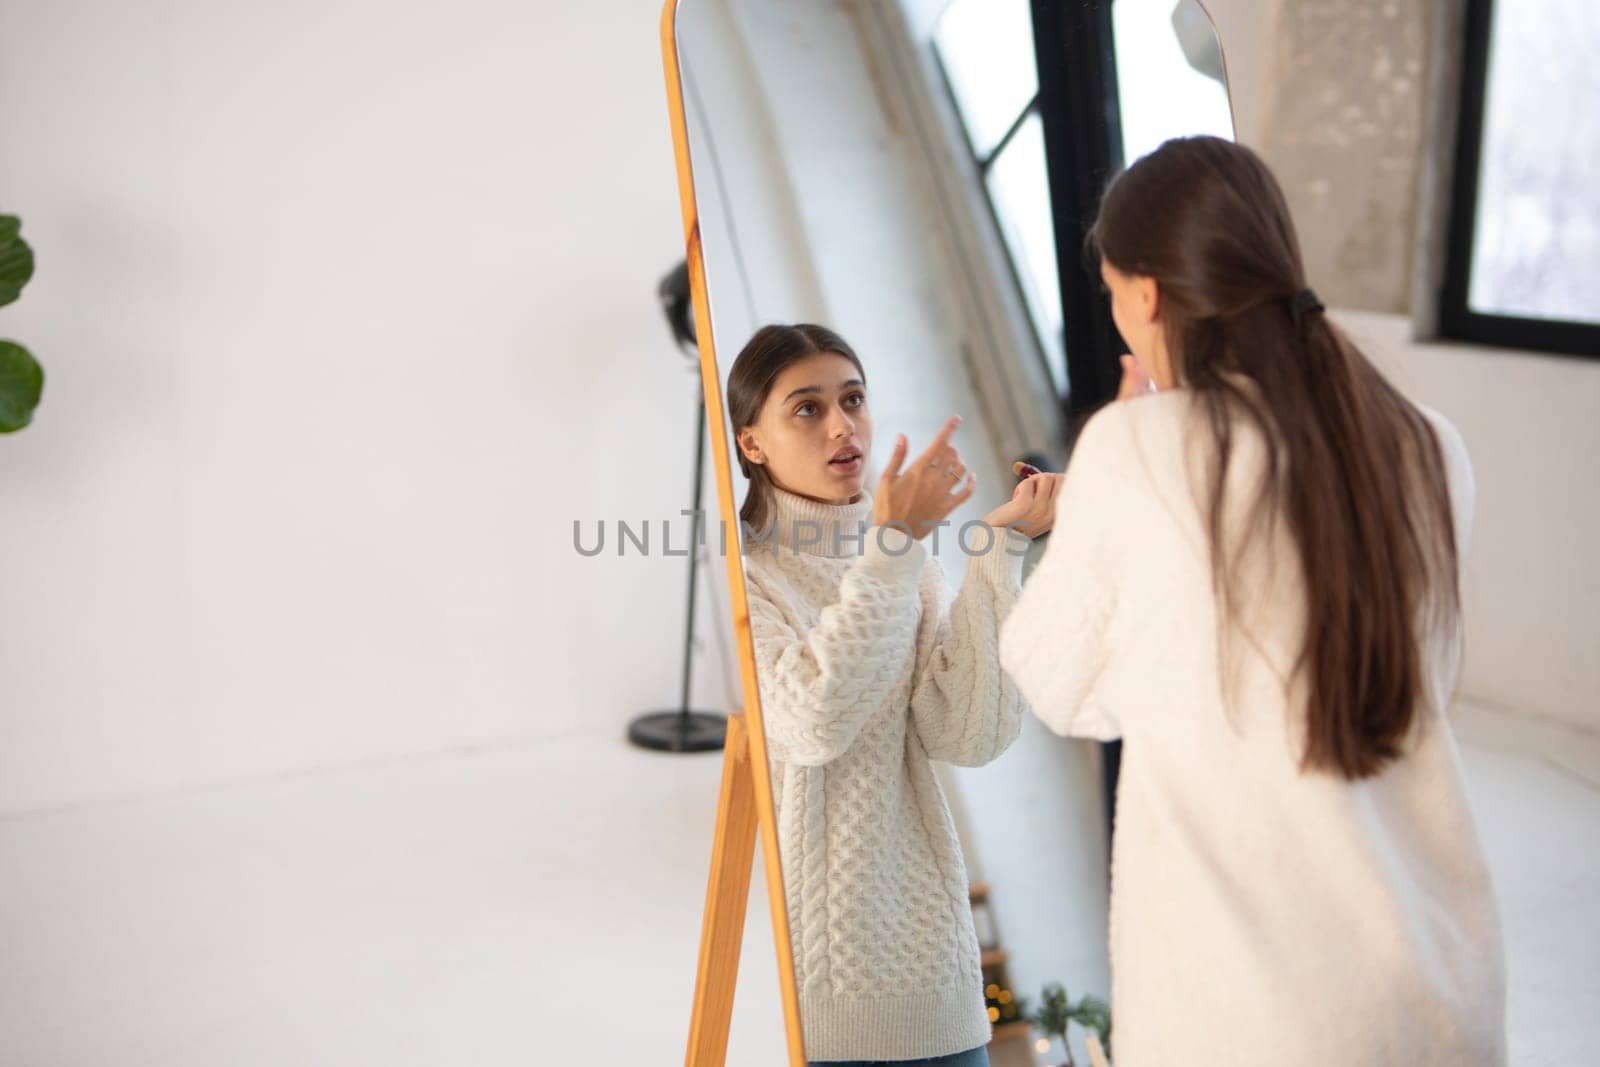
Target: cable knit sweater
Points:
(1258, 916)
(867, 672)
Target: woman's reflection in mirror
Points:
(868, 673)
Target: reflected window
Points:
(1169, 83)
(985, 49)
(1019, 188)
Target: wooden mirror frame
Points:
(746, 797)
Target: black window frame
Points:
(984, 162)
(1075, 51)
(1078, 106)
(1457, 320)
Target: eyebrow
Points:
(817, 389)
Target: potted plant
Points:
(1057, 1012)
(21, 377)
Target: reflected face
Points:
(1136, 309)
(816, 410)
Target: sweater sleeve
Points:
(1461, 484)
(965, 709)
(819, 687)
(1058, 638)
(1462, 488)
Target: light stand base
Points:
(679, 731)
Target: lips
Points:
(844, 454)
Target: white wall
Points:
(1531, 599)
(347, 312)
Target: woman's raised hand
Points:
(921, 496)
(1032, 507)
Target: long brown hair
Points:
(1345, 451)
(771, 349)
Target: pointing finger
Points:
(942, 438)
(892, 470)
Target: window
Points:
(1523, 262)
(985, 49)
(1165, 79)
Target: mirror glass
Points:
(878, 169)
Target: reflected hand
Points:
(918, 498)
(1032, 507)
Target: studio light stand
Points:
(683, 729)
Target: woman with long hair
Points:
(1254, 582)
(868, 673)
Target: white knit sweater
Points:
(1258, 916)
(868, 671)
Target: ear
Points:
(749, 445)
(1149, 297)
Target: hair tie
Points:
(1303, 303)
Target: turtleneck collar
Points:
(801, 524)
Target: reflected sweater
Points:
(1259, 916)
(868, 671)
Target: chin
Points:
(844, 489)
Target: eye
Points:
(859, 398)
(801, 409)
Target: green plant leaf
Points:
(1055, 1011)
(16, 259)
(21, 383)
(1092, 1013)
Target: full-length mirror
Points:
(881, 189)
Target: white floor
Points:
(542, 906)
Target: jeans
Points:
(973, 1057)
